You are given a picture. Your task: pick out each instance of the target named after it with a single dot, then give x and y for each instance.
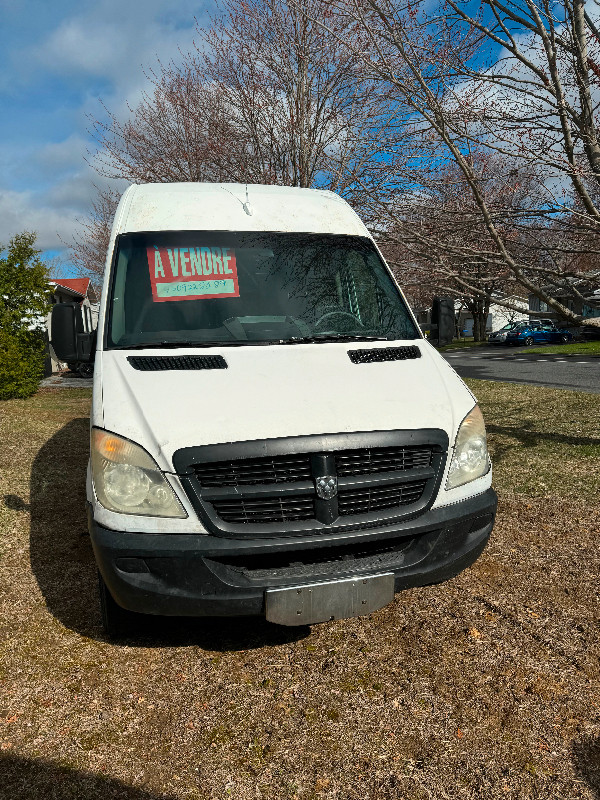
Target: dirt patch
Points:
(483, 687)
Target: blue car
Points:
(540, 331)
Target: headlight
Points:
(470, 458)
(127, 479)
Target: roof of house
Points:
(78, 285)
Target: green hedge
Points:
(21, 363)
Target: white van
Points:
(270, 432)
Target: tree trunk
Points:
(478, 308)
(479, 320)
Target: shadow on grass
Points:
(586, 758)
(24, 779)
(530, 438)
(16, 503)
(63, 562)
(526, 437)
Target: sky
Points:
(58, 62)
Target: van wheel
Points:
(116, 621)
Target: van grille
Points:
(160, 363)
(248, 493)
(367, 356)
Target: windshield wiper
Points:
(326, 337)
(158, 345)
(330, 337)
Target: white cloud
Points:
(19, 211)
(113, 41)
(65, 155)
(63, 192)
(103, 47)
(74, 47)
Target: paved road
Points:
(581, 373)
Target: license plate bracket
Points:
(320, 602)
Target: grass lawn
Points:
(484, 687)
(583, 348)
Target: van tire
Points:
(116, 621)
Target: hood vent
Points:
(159, 363)
(384, 354)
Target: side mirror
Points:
(68, 337)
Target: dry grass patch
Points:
(482, 687)
(544, 442)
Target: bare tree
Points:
(305, 114)
(535, 107)
(440, 244)
(176, 133)
(267, 96)
(180, 131)
(89, 245)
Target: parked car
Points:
(499, 337)
(540, 331)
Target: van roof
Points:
(222, 206)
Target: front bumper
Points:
(205, 575)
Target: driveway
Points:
(66, 380)
(577, 372)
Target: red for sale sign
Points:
(192, 273)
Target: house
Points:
(497, 318)
(74, 290)
(589, 288)
(77, 290)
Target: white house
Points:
(498, 316)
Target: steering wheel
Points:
(338, 314)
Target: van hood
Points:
(275, 391)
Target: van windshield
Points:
(202, 288)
